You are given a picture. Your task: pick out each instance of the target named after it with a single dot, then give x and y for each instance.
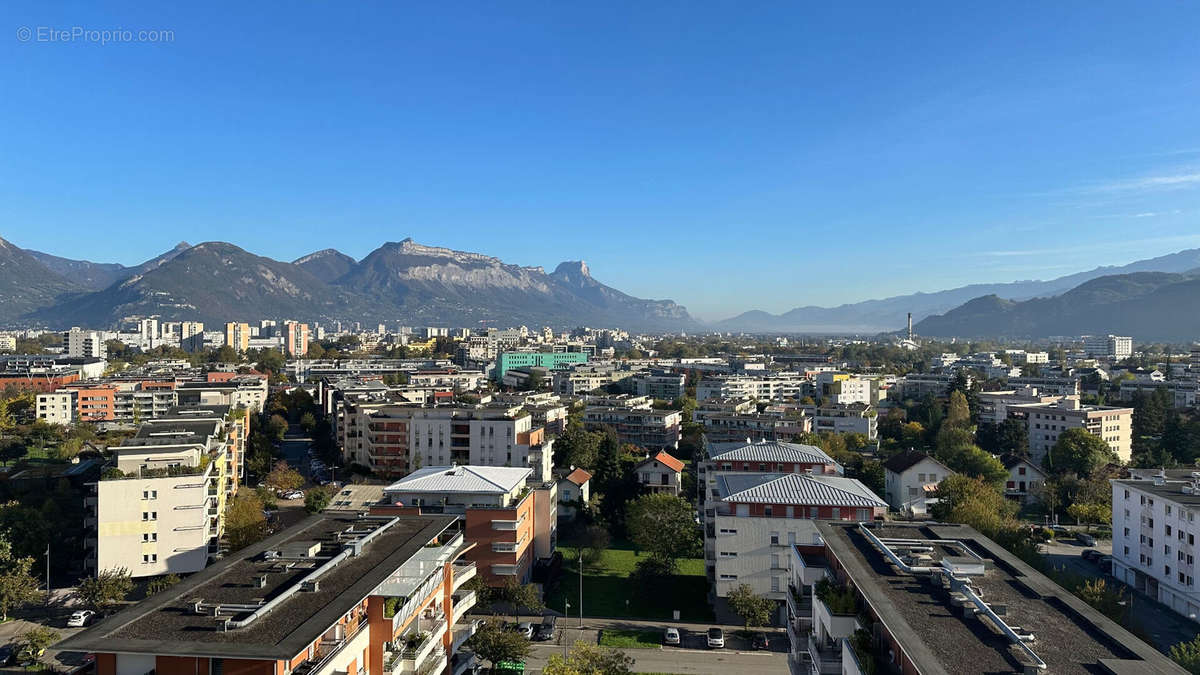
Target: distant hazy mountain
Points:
(402, 281)
(95, 276)
(328, 265)
(1145, 305)
(26, 284)
(890, 313)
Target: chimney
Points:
(910, 326)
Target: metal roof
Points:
(769, 451)
(802, 489)
(460, 479)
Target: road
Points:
(692, 658)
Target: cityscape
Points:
(498, 350)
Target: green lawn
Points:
(631, 639)
(607, 590)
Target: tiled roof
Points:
(666, 460)
(769, 451)
(578, 477)
(802, 489)
(476, 479)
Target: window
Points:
(728, 554)
(775, 584)
(774, 537)
(767, 510)
(1168, 528)
(149, 558)
(921, 478)
(728, 577)
(149, 515)
(149, 494)
(1021, 471)
(837, 513)
(149, 536)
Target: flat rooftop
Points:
(167, 623)
(1171, 490)
(1071, 637)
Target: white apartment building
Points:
(160, 507)
(85, 343)
(8, 343)
(646, 428)
(856, 418)
(1154, 537)
(457, 380)
(1182, 392)
(1115, 347)
(57, 407)
(994, 405)
(1047, 385)
(770, 387)
(1045, 422)
(920, 385)
(660, 384)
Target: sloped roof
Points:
(474, 479)
(578, 477)
(907, 460)
(1010, 460)
(769, 451)
(797, 488)
(666, 460)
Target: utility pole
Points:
(581, 588)
(47, 572)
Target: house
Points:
(573, 488)
(910, 479)
(1025, 479)
(660, 473)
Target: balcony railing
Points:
(826, 659)
(464, 570)
(326, 651)
(506, 525)
(463, 602)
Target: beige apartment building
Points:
(1047, 421)
(159, 507)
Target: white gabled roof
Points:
(769, 451)
(463, 479)
(801, 489)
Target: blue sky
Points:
(726, 155)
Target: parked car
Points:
(546, 630)
(1085, 539)
(6, 655)
(1106, 564)
(671, 636)
(525, 628)
(761, 641)
(716, 638)
(1091, 555)
(80, 618)
(294, 494)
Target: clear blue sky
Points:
(726, 155)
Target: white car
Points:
(671, 636)
(716, 638)
(294, 494)
(80, 618)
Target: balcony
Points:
(826, 658)
(462, 633)
(464, 571)
(327, 651)
(411, 651)
(507, 525)
(463, 602)
(504, 570)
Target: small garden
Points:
(630, 639)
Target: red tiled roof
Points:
(579, 476)
(669, 461)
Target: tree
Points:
(972, 461)
(754, 609)
(971, 501)
(12, 450)
(577, 447)
(271, 361)
(316, 500)
(518, 596)
(591, 546)
(1079, 451)
(276, 427)
(589, 659)
(35, 640)
(105, 590)
(1010, 436)
(663, 525)
(493, 643)
(308, 422)
(1096, 593)
(283, 477)
(1187, 655)
(1090, 512)
(958, 413)
(245, 522)
(160, 584)
(18, 587)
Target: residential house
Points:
(910, 481)
(660, 473)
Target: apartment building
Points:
(84, 343)
(1154, 537)
(1046, 421)
(759, 457)
(8, 343)
(448, 379)
(766, 387)
(856, 418)
(509, 516)
(910, 598)
(95, 403)
(395, 439)
(995, 406)
(921, 385)
(332, 594)
(1114, 347)
(752, 519)
(237, 335)
(645, 428)
(660, 384)
(159, 508)
(295, 339)
(1048, 385)
(231, 389)
(57, 407)
(1182, 392)
(731, 427)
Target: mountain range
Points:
(403, 281)
(890, 314)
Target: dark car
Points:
(1091, 555)
(6, 655)
(1085, 539)
(761, 641)
(546, 630)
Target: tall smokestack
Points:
(910, 326)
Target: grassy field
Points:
(631, 639)
(607, 590)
